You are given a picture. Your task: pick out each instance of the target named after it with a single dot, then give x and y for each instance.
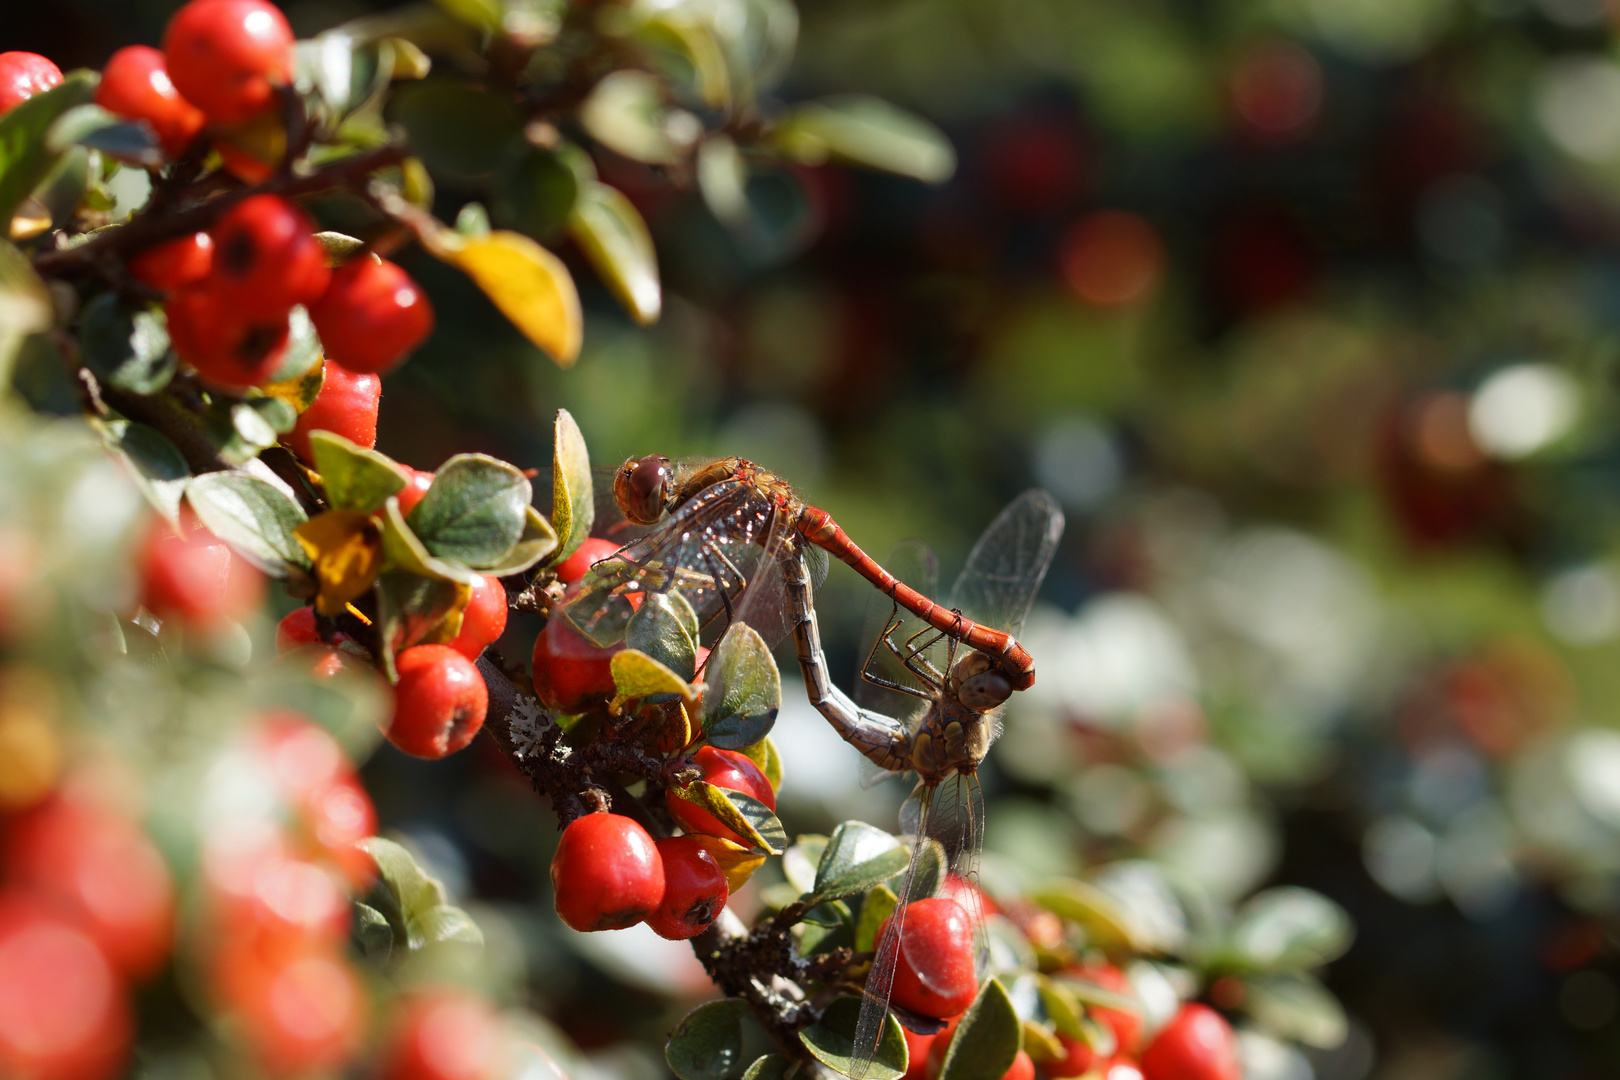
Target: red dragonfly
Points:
(958, 695)
(724, 532)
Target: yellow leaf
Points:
(737, 861)
(529, 284)
(637, 675)
(346, 548)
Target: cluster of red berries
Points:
(608, 872)
(87, 909)
(274, 933)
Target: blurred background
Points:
(1308, 312)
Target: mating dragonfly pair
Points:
(741, 546)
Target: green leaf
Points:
(127, 347)
(858, 856)
(481, 14)
(253, 517)
(535, 192)
(769, 1067)
(1290, 928)
(723, 179)
(1103, 918)
(98, 129)
(573, 500)
(800, 860)
(638, 676)
(745, 712)
(443, 924)
(472, 221)
(339, 247)
(159, 467)
(986, 1039)
(1086, 992)
(658, 630)
(1296, 1007)
(865, 131)
(457, 129)
(832, 1042)
(24, 157)
(414, 610)
(931, 869)
(475, 511)
(626, 113)
(707, 1042)
(402, 550)
(403, 891)
(354, 478)
(876, 908)
(537, 541)
(372, 933)
(616, 241)
(1062, 1007)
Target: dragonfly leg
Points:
(916, 659)
(880, 739)
(886, 638)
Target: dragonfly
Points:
(959, 692)
(724, 534)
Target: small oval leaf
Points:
(832, 1042)
(707, 1042)
(354, 477)
(614, 238)
(857, 857)
(253, 517)
(986, 1039)
(658, 630)
(474, 512)
(573, 499)
(750, 686)
(530, 285)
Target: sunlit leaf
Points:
(530, 286)
(638, 676)
(800, 860)
(536, 542)
(127, 347)
(658, 630)
(474, 512)
(742, 814)
(769, 1067)
(865, 131)
(742, 665)
(403, 550)
(443, 924)
(626, 113)
(24, 157)
(1290, 928)
(876, 908)
(573, 500)
(406, 890)
(156, 463)
(613, 236)
(354, 477)
(857, 857)
(1296, 1007)
(253, 517)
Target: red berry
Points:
(1078, 1058)
(170, 265)
(225, 350)
(1122, 1068)
(1127, 1026)
(485, 617)
(63, 1013)
(1197, 1044)
(443, 1035)
(969, 895)
(920, 1059)
(266, 258)
(570, 673)
(135, 84)
(303, 1016)
(417, 483)
(606, 874)
(934, 970)
(104, 869)
(372, 315)
(24, 74)
(297, 629)
(347, 405)
(334, 813)
(227, 56)
(439, 702)
(195, 579)
(694, 889)
(724, 769)
(1022, 1068)
(588, 554)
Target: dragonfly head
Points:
(978, 683)
(643, 486)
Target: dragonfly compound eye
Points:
(642, 488)
(984, 691)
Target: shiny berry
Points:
(104, 869)
(135, 84)
(346, 405)
(170, 265)
(443, 1035)
(694, 889)
(439, 702)
(606, 874)
(1078, 1058)
(24, 74)
(485, 617)
(570, 673)
(63, 1011)
(1197, 1044)
(228, 56)
(266, 258)
(226, 351)
(195, 579)
(372, 315)
(588, 554)
(934, 970)
(724, 769)
(417, 483)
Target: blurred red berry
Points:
(297, 629)
(266, 257)
(346, 405)
(226, 351)
(1197, 1044)
(304, 1016)
(228, 56)
(694, 889)
(135, 84)
(443, 1035)
(592, 551)
(195, 578)
(724, 769)
(170, 265)
(439, 702)
(606, 873)
(372, 315)
(24, 74)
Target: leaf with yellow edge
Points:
(637, 675)
(736, 861)
(573, 498)
(345, 547)
(764, 754)
(529, 284)
(300, 391)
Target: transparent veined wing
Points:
(914, 563)
(1005, 569)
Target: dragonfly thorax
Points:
(952, 738)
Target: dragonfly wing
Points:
(764, 603)
(914, 563)
(1005, 568)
